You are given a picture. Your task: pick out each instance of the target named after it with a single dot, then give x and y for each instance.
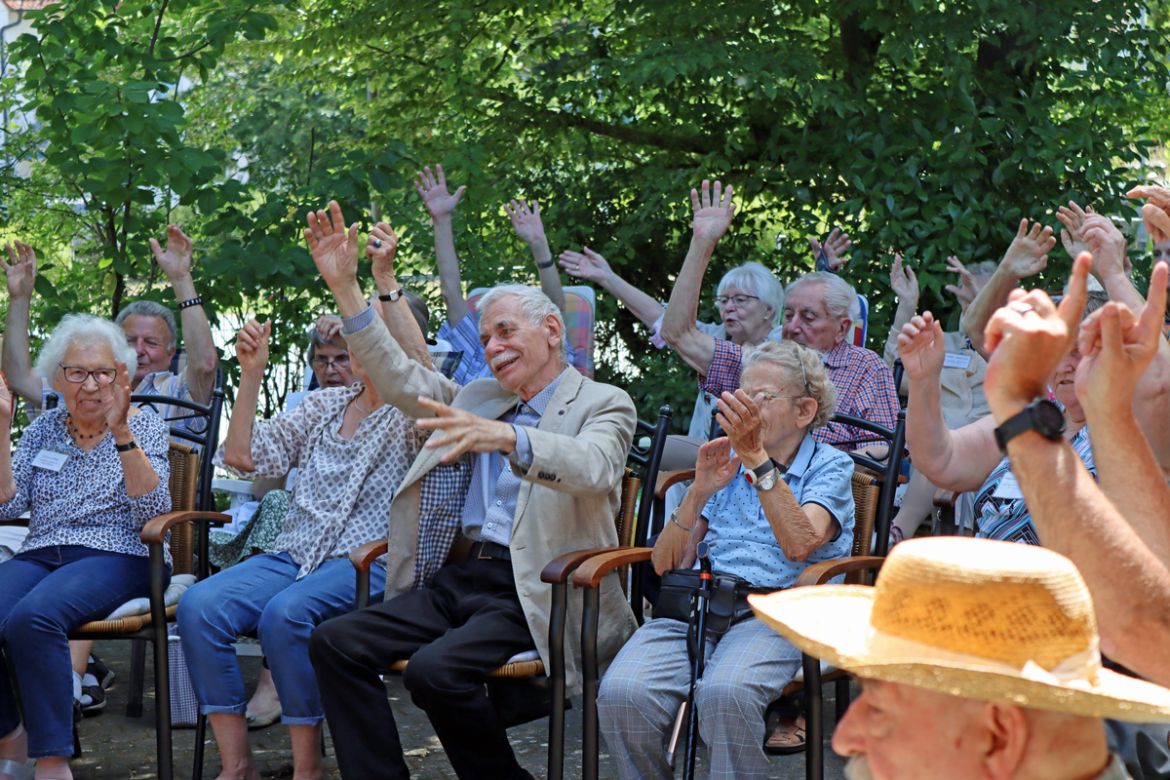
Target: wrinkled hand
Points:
(903, 281)
(966, 290)
(1107, 245)
(1117, 346)
(526, 221)
(1072, 236)
(328, 326)
(1156, 213)
(714, 466)
(713, 211)
(837, 243)
(176, 260)
(381, 246)
(674, 549)
(1028, 338)
(586, 264)
(921, 347)
(464, 432)
(432, 188)
(252, 345)
(1027, 255)
(21, 269)
(739, 417)
(119, 396)
(334, 248)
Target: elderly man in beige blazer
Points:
(546, 448)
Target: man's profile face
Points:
(522, 357)
(152, 340)
(807, 320)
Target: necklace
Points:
(76, 433)
(360, 407)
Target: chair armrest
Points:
(669, 479)
(559, 568)
(155, 530)
(590, 573)
(820, 573)
(363, 557)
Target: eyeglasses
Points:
(738, 300)
(78, 375)
(339, 362)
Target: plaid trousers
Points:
(648, 680)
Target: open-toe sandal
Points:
(787, 736)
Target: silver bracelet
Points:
(674, 519)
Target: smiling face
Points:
(807, 320)
(746, 319)
(89, 400)
(152, 340)
(523, 357)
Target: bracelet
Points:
(546, 266)
(392, 296)
(674, 519)
(196, 301)
(127, 447)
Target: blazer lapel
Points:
(553, 420)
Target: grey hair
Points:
(755, 279)
(84, 330)
(801, 365)
(151, 309)
(317, 340)
(533, 302)
(840, 297)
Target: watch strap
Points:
(127, 447)
(1027, 419)
(392, 296)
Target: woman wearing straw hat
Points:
(977, 659)
(781, 502)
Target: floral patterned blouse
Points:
(341, 498)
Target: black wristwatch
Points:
(127, 447)
(1042, 416)
(391, 296)
(764, 476)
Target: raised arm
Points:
(252, 354)
(432, 188)
(21, 270)
(202, 357)
(592, 267)
(713, 211)
(1026, 256)
(833, 254)
(381, 247)
(138, 474)
(8, 487)
(904, 283)
(529, 228)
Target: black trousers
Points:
(467, 623)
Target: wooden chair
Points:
(632, 520)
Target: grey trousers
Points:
(648, 680)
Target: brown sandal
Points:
(787, 737)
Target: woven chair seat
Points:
(126, 625)
(514, 670)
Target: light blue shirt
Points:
(740, 537)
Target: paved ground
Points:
(115, 746)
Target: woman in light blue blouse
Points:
(91, 473)
(781, 501)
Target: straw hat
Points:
(975, 618)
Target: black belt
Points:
(486, 551)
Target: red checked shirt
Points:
(864, 383)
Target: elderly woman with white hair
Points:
(91, 473)
(768, 499)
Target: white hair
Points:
(533, 302)
(840, 297)
(801, 365)
(151, 309)
(84, 330)
(755, 279)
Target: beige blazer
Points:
(568, 500)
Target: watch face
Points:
(1049, 419)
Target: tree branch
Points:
(162, 9)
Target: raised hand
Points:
(176, 259)
(21, 269)
(903, 280)
(432, 188)
(1107, 245)
(463, 431)
(965, 291)
(119, 390)
(713, 211)
(334, 248)
(252, 345)
(921, 347)
(1156, 213)
(714, 466)
(1073, 217)
(526, 220)
(381, 246)
(739, 417)
(1028, 253)
(328, 326)
(1117, 346)
(1028, 338)
(586, 264)
(836, 244)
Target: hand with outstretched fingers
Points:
(119, 396)
(966, 290)
(715, 466)
(333, 246)
(586, 264)
(175, 260)
(21, 269)
(432, 188)
(526, 220)
(903, 280)
(712, 209)
(1027, 255)
(835, 248)
(463, 431)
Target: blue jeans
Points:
(262, 596)
(45, 594)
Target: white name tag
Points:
(957, 360)
(50, 460)
(1008, 488)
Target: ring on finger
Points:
(1021, 308)
(377, 243)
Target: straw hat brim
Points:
(832, 623)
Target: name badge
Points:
(1008, 488)
(50, 460)
(957, 360)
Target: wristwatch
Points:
(762, 477)
(391, 296)
(127, 447)
(1042, 416)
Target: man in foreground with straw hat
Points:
(977, 659)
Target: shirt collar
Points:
(838, 356)
(804, 455)
(539, 402)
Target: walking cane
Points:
(696, 653)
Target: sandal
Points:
(787, 737)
